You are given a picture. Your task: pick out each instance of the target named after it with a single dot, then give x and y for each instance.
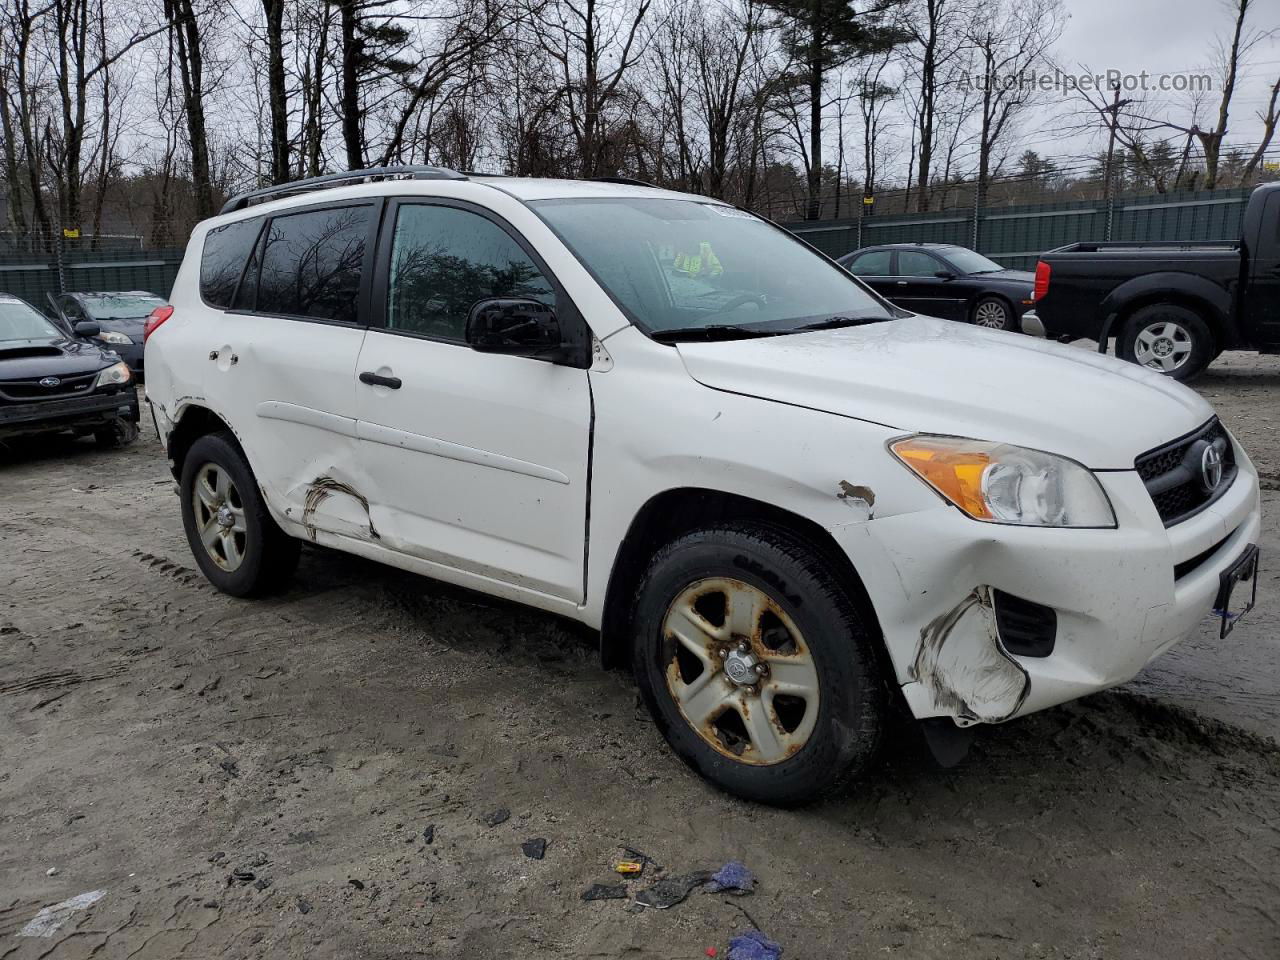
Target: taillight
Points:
(157, 317)
(1043, 274)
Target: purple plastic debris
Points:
(753, 945)
(733, 878)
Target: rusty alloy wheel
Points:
(219, 515)
(740, 672)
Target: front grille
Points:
(27, 391)
(1174, 474)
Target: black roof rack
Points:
(629, 181)
(242, 200)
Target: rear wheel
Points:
(1169, 339)
(237, 545)
(756, 665)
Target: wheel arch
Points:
(1208, 301)
(680, 510)
(194, 422)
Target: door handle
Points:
(374, 380)
(902, 283)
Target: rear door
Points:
(281, 360)
(1262, 299)
(475, 461)
(921, 290)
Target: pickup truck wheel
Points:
(1169, 339)
(756, 665)
(994, 314)
(237, 545)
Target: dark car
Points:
(942, 280)
(55, 382)
(1171, 306)
(121, 315)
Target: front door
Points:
(1262, 300)
(921, 290)
(475, 461)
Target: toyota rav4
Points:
(784, 501)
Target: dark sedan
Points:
(121, 316)
(52, 381)
(941, 280)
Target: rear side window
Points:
(225, 251)
(312, 263)
(443, 260)
(873, 264)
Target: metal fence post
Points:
(977, 212)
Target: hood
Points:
(934, 376)
(31, 359)
(1009, 276)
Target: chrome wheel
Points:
(219, 515)
(992, 315)
(739, 671)
(1164, 345)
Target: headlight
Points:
(999, 483)
(110, 336)
(116, 375)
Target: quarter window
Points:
(312, 263)
(444, 259)
(222, 261)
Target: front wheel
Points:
(1168, 339)
(756, 665)
(118, 433)
(994, 314)
(236, 543)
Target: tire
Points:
(1169, 339)
(249, 555)
(118, 433)
(806, 631)
(993, 313)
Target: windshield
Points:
(20, 321)
(682, 265)
(966, 261)
(120, 306)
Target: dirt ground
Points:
(255, 779)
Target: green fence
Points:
(32, 276)
(1016, 236)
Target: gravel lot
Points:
(160, 743)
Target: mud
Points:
(309, 775)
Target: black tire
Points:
(987, 304)
(1190, 329)
(268, 555)
(852, 698)
(118, 433)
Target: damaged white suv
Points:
(783, 500)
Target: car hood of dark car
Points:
(54, 357)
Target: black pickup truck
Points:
(1170, 306)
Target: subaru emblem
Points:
(50, 382)
(1211, 468)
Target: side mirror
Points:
(945, 275)
(87, 329)
(516, 326)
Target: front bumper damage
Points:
(1117, 600)
(83, 414)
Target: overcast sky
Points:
(1171, 36)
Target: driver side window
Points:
(913, 264)
(443, 260)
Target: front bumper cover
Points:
(49, 416)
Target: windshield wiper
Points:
(833, 323)
(715, 331)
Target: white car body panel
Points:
(522, 478)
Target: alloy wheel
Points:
(219, 514)
(1164, 345)
(991, 315)
(740, 672)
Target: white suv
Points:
(784, 501)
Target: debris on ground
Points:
(428, 833)
(47, 921)
(358, 884)
(262, 883)
(734, 878)
(241, 876)
(605, 891)
(753, 945)
(668, 892)
(642, 857)
(495, 817)
(51, 872)
(629, 867)
(711, 951)
(303, 906)
(535, 849)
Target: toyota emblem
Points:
(50, 382)
(1211, 468)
